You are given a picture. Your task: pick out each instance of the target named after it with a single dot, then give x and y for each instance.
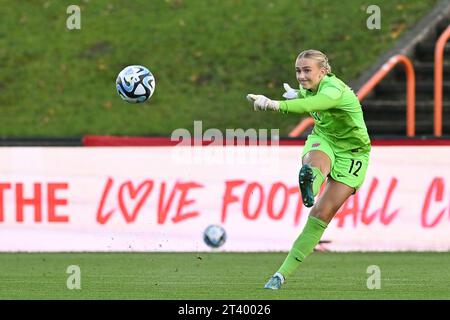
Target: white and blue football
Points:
(214, 236)
(135, 84)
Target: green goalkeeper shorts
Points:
(346, 167)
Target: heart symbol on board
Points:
(136, 195)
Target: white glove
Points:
(290, 93)
(261, 102)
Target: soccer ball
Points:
(135, 84)
(214, 236)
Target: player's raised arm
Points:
(326, 99)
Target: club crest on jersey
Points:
(316, 115)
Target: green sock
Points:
(304, 245)
(318, 180)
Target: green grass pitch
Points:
(202, 54)
(240, 276)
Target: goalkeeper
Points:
(337, 149)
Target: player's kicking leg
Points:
(306, 182)
(333, 197)
(316, 166)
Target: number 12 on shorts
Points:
(355, 167)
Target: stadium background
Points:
(57, 88)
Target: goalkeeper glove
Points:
(290, 93)
(261, 102)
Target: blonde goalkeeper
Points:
(337, 151)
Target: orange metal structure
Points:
(373, 81)
(438, 71)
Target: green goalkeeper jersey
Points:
(337, 114)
